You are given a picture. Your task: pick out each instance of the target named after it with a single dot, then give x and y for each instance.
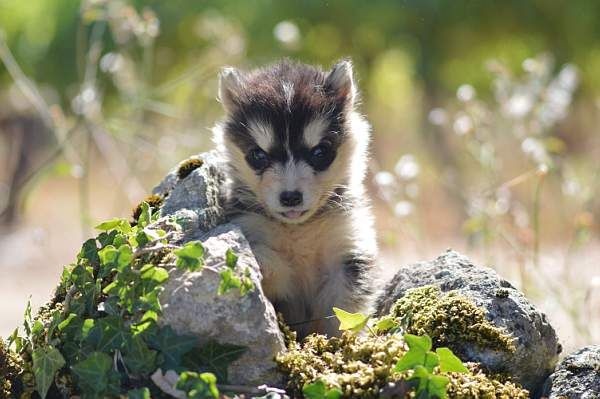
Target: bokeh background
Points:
(485, 118)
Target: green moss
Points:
(188, 166)
(449, 319)
(361, 365)
(154, 202)
(11, 370)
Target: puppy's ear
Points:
(340, 82)
(231, 84)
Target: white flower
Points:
(403, 208)
(465, 93)
(384, 179)
(437, 117)
(463, 124)
(407, 167)
(287, 33)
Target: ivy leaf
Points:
(89, 251)
(107, 334)
(385, 324)
(198, 386)
(118, 224)
(95, 375)
(171, 346)
(190, 256)
(214, 357)
(125, 256)
(430, 385)
(145, 215)
(449, 362)
(155, 274)
(350, 321)
(419, 354)
(46, 362)
(422, 343)
(228, 281)
(230, 259)
(318, 390)
(138, 357)
(141, 393)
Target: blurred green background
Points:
(484, 113)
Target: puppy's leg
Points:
(349, 287)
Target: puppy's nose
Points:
(290, 198)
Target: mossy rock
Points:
(535, 342)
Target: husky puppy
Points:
(296, 154)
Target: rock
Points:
(199, 191)
(536, 342)
(190, 304)
(576, 376)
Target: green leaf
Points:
(198, 386)
(46, 362)
(385, 324)
(350, 321)
(121, 225)
(449, 362)
(230, 259)
(141, 393)
(171, 346)
(422, 343)
(95, 375)
(138, 358)
(190, 256)
(247, 283)
(437, 386)
(125, 256)
(153, 273)
(229, 281)
(145, 217)
(318, 390)
(214, 357)
(108, 255)
(108, 334)
(418, 354)
(89, 251)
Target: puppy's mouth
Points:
(292, 215)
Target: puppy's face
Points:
(287, 136)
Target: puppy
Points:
(296, 155)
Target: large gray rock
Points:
(577, 376)
(536, 342)
(190, 302)
(191, 306)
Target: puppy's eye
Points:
(257, 159)
(321, 156)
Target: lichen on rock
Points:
(11, 370)
(536, 345)
(448, 318)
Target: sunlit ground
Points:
(49, 237)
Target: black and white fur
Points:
(296, 152)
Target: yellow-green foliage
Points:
(10, 372)
(448, 318)
(361, 365)
(188, 166)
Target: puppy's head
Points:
(291, 136)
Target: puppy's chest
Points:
(308, 250)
